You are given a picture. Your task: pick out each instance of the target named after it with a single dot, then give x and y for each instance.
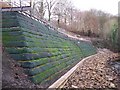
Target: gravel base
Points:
(95, 72)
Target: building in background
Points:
(16, 3)
(4, 4)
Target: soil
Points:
(13, 75)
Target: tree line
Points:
(92, 23)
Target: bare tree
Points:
(91, 22)
(50, 4)
(63, 10)
(59, 9)
(39, 9)
(103, 18)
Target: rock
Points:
(95, 73)
(110, 78)
(73, 86)
(112, 85)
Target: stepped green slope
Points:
(43, 53)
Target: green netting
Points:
(46, 66)
(14, 44)
(30, 56)
(44, 53)
(9, 22)
(11, 29)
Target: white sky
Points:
(110, 6)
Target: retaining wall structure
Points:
(45, 54)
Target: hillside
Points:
(44, 54)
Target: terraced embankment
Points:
(45, 54)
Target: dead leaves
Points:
(94, 73)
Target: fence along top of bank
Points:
(14, 6)
(24, 9)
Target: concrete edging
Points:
(61, 81)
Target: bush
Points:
(114, 38)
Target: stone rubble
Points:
(95, 72)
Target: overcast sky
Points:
(110, 6)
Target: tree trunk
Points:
(118, 34)
(41, 10)
(58, 21)
(65, 20)
(49, 15)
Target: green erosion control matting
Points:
(43, 53)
